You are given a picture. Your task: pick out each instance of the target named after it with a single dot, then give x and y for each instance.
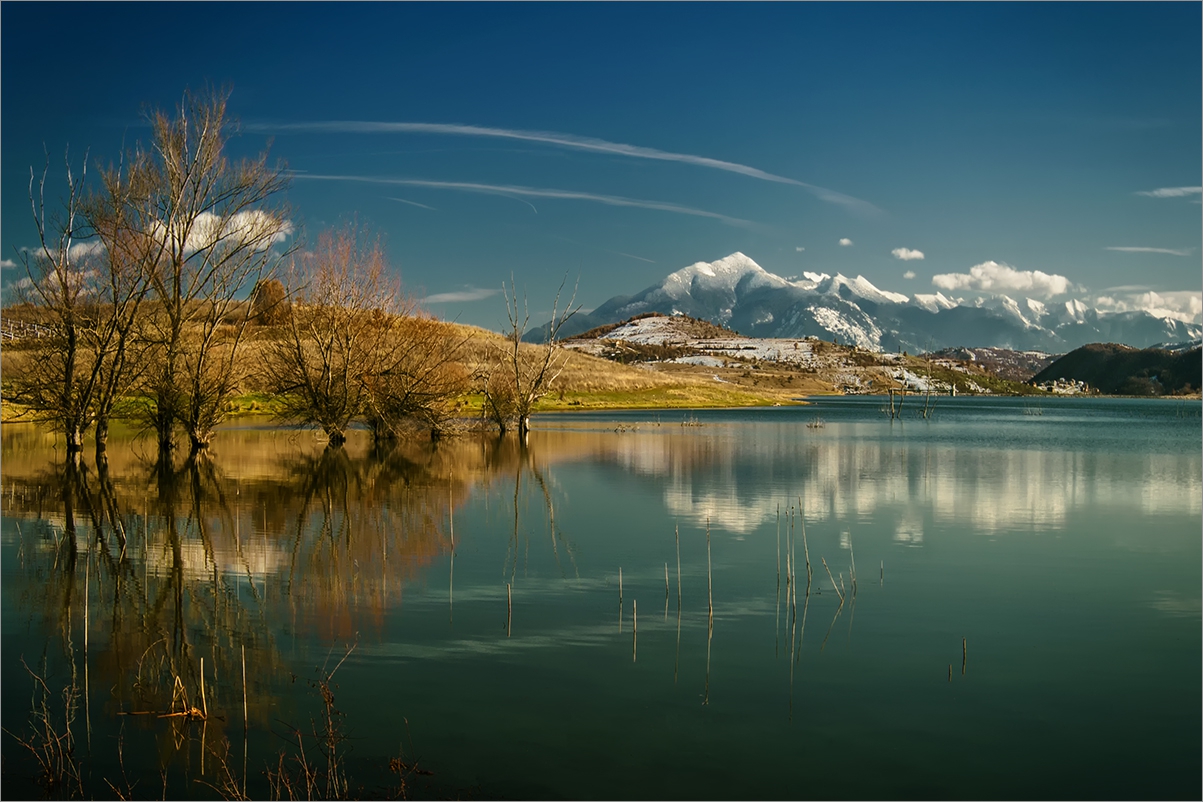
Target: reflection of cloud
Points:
(909, 531)
(1177, 605)
(257, 558)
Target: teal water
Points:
(1058, 540)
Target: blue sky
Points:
(1013, 145)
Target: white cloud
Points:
(1170, 251)
(909, 274)
(533, 192)
(845, 242)
(995, 277)
(6, 264)
(1171, 192)
(565, 141)
(254, 228)
(1184, 305)
(470, 294)
(799, 248)
(906, 254)
(78, 251)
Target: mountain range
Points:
(740, 294)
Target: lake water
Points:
(1024, 620)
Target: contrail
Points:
(533, 192)
(566, 141)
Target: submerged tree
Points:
(207, 226)
(85, 293)
(352, 346)
(517, 376)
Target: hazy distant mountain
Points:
(742, 295)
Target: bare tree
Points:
(518, 375)
(354, 347)
(412, 377)
(87, 293)
(56, 379)
(209, 225)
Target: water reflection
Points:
(849, 472)
(158, 585)
(484, 572)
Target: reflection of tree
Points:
(160, 564)
(505, 457)
(159, 581)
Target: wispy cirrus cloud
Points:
(565, 141)
(533, 192)
(907, 254)
(461, 296)
(1171, 192)
(413, 203)
(1170, 251)
(996, 277)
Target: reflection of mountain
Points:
(850, 473)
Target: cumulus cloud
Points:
(845, 242)
(77, 252)
(1184, 305)
(470, 294)
(909, 274)
(5, 264)
(907, 254)
(1171, 192)
(254, 228)
(1170, 251)
(798, 248)
(996, 277)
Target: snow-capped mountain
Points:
(740, 294)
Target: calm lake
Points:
(1017, 613)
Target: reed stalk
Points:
(832, 578)
(709, 575)
(964, 655)
(677, 535)
(852, 569)
(805, 550)
(244, 716)
(204, 702)
(509, 608)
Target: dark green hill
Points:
(1123, 370)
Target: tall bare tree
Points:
(519, 375)
(208, 226)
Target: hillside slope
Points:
(1122, 370)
